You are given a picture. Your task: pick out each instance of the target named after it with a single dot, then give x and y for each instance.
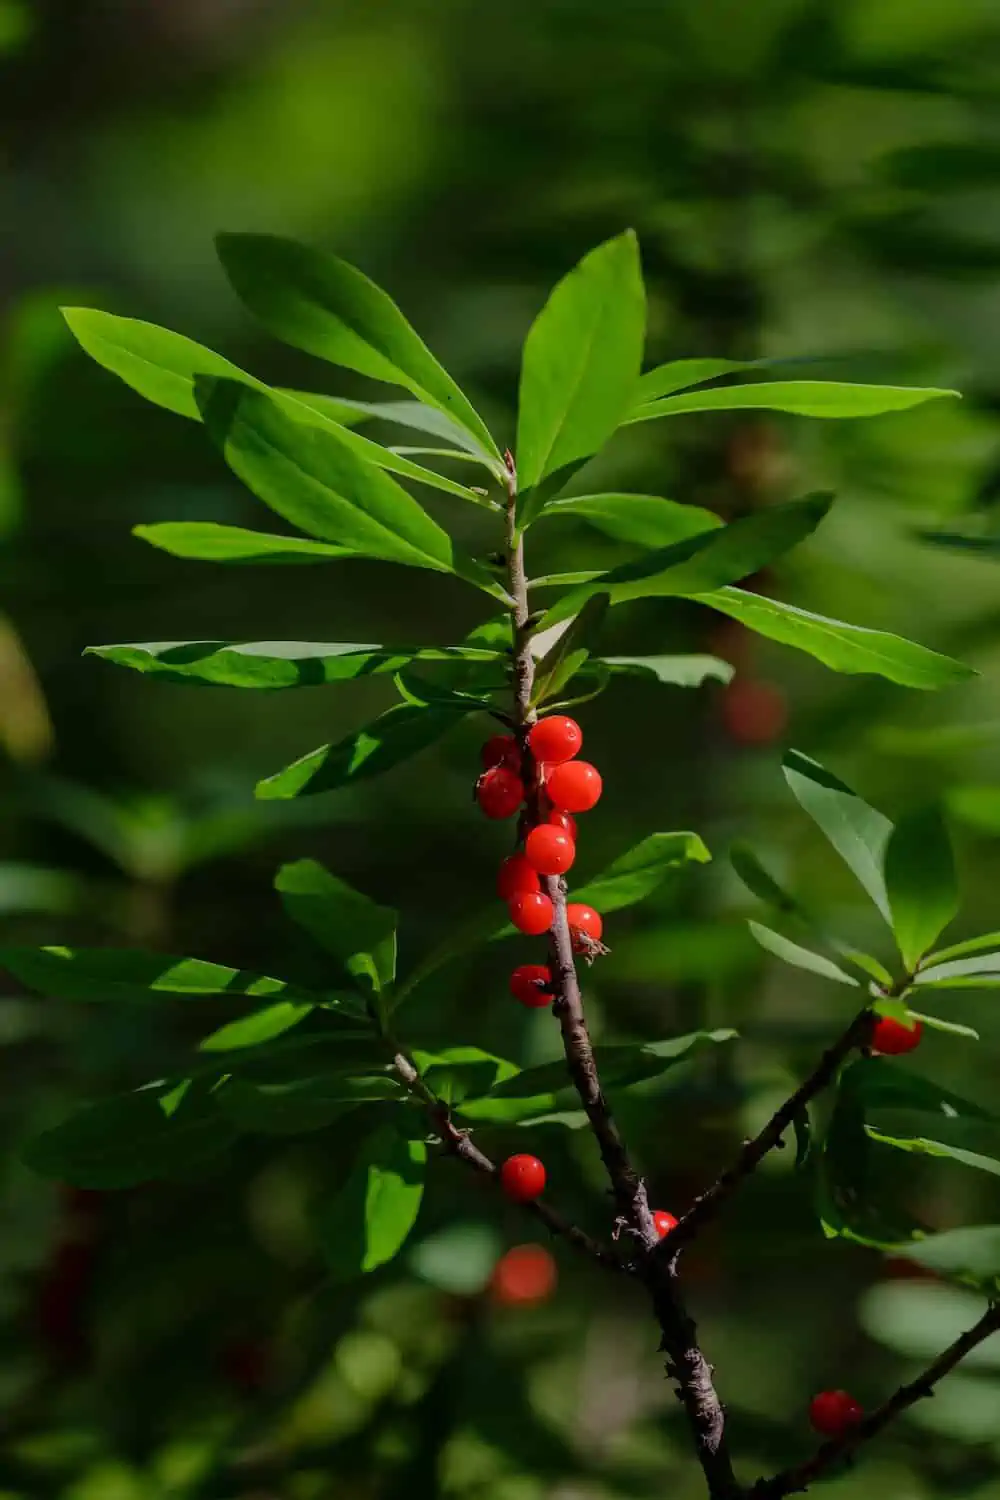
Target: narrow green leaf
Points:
(257, 1028)
(299, 1105)
(970, 945)
(412, 414)
(321, 304)
(131, 1139)
(842, 647)
(804, 398)
(646, 520)
(570, 650)
(970, 1255)
(921, 883)
(207, 541)
(391, 738)
(858, 832)
(681, 374)
(636, 874)
(705, 561)
(951, 1028)
(311, 477)
(673, 671)
(356, 930)
(581, 363)
(977, 972)
(458, 1073)
(761, 883)
(277, 664)
(368, 1221)
(133, 977)
(802, 958)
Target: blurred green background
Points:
(809, 178)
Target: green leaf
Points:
(391, 738)
(970, 945)
(802, 958)
(314, 479)
(705, 561)
(368, 1221)
(131, 1139)
(255, 1029)
(802, 1126)
(921, 883)
(570, 650)
(646, 520)
(132, 977)
(277, 664)
(296, 1106)
(970, 1255)
(681, 374)
(968, 1143)
(761, 883)
(539, 1090)
(458, 1073)
(319, 303)
(804, 398)
(636, 874)
(842, 647)
(412, 414)
(160, 365)
(356, 930)
(207, 541)
(978, 972)
(673, 671)
(858, 832)
(952, 1028)
(581, 364)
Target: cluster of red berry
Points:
(550, 785)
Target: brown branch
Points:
(679, 1340)
(710, 1202)
(794, 1480)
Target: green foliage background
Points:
(810, 178)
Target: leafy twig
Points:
(794, 1480)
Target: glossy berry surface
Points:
(500, 792)
(531, 912)
(523, 1276)
(515, 877)
(663, 1221)
(549, 850)
(499, 750)
(574, 787)
(522, 1178)
(563, 820)
(583, 919)
(892, 1038)
(831, 1413)
(556, 739)
(532, 985)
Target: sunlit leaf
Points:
(672, 671)
(681, 374)
(646, 520)
(134, 977)
(207, 541)
(978, 971)
(805, 398)
(921, 883)
(801, 958)
(394, 736)
(859, 833)
(636, 874)
(367, 1222)
(570, 650)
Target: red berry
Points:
(892, 1038)
(532, 985)
(516, 876)
(499, 792)
(549, 850)
(525, 1275)
(754, 713)
(522, 1178)
(833, 1412)
(556, 739)
(583, 920)
(531, 912)
(563, 820)
(500, 750)
(574, 787)
(663, 1221)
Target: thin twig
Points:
(794, 1480)
(710, 1202)
(686, 1363)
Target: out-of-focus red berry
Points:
(531, 912)
(523, 1276)
(549, 850)
(663, 1221)
(532, 985)
(574, 786)
(754, 712)
(831, 1413)
(500, 750)
(499, 792)
(555, 739)
(516, 876)
(892, 1038)
(522, 1178)
(583, 920)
